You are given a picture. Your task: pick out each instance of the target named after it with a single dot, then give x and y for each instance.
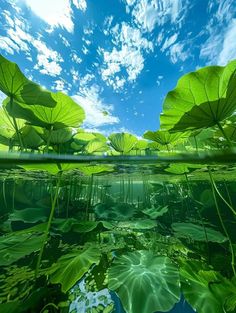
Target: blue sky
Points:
(116, 58)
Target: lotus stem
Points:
(15, 126)
(222, 222)
(49, 138)
(224, 134)
(46, 234)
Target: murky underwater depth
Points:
(118, 237)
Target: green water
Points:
(145, 228)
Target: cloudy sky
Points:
(116, 58)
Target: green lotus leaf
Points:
(14, 84)
(96, 145)
(201, 99)
(204, 289)
(155, 212)
(82, 138)
(7, 129)
(63, 225)
(19, 244)
(50, 168)
(29, 215)
(66, 113)
(71, 267)
(94, 169)
(87, 226)
(138, 224)
(122, 142)
(144, 282)
(11, 307)
(197, 232)
(30, 137)
(165, 138)
(57, 136)
(141, 145)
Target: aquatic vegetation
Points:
(146, 219)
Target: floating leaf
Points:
(197, 232)
(144, 282)
(71, 267)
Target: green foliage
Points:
(122, 142)
(155, 212)
(144, 282)
(71, 267)
(14, 84)
(204, 289)
(17, 245)
(66, 113)
(197, 232)
(201, 99)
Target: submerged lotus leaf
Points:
(201, 99)
(30, 215)
(198, 232)
(155, 212)
(119, 211)
(138, 224)
(66, 113)
(14, 84)
(144, 282)
(122, 142)
(204, 289)
(71, 267)
(19, 244)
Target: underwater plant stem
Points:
(222, 222)
(224, 134)
(222, 198)
(15, 126)
(46, 234)
(200, 215)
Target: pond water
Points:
(135, 235)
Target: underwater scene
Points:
(121, 224)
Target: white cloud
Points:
(59, 85)
(177, 53)
(95, 107)
(48, 59)
(64, 41)
(8, 45)
(127, 54)
(75, 58)
(56, 13)
(228, 51)
(220, 46)
(149, 13)
(80, 4)
(169, 41)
